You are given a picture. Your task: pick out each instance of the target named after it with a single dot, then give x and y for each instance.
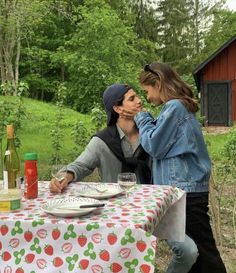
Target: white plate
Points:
(70, 202)
(109, 190)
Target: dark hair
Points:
(114, 115)
(171, 86)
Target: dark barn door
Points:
(218, 103)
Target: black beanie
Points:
(111, 95)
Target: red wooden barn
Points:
(216, 81)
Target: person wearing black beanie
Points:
(116, 148)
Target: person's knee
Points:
(185, 252)
(190, 253)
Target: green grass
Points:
(35, 132)
(215, 145)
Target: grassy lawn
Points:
(35, 134)
(215, 144)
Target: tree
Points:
(101, 52)
(43, 55)
(139, 15)
(174, 32)
(222, 29)
(202, 14)
(183, 25)
(16, 18)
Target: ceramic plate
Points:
(99, 190)
(68, 204)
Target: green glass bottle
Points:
(11, 171)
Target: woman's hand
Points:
(56, 186)
(131, 112)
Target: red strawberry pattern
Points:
(102, 241)
(57, 262)
(82, 240)
(112, 238)
(83, 264)
(29, 258)
(4, 230)
(115, 267)
(6, 256)
(145, 268)
(104, 255)
(110, 225)
(56, 233)
(48, 250)
(28, 235)
(19, 270)
(141, 245)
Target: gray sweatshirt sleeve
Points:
(88, 160)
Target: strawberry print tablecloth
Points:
(117, 238)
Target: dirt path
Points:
(216, 130)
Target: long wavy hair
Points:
(171, 86)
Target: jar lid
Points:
(30, 156)
(10, 194)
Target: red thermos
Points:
(31, 176)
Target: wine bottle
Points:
(11, 170)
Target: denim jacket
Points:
(176, 143)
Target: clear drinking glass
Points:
(126, 181)
(58, 172)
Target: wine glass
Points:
(126, 181)
(58, 172)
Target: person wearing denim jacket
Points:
(180, 158)
(175, 142)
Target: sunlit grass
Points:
(35, 133)
(215, 145)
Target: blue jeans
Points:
(184, 255)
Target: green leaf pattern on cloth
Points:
(92, 226)
(150, 257)
(36, 247)
(72, 261)
(131, 265)
(102, 241)
(17, 228)
(38, 223)
(127, 238)
(19, 255)
(70, 232)
(90, 252)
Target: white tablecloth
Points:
(117, 238)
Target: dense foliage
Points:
(89, 44)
